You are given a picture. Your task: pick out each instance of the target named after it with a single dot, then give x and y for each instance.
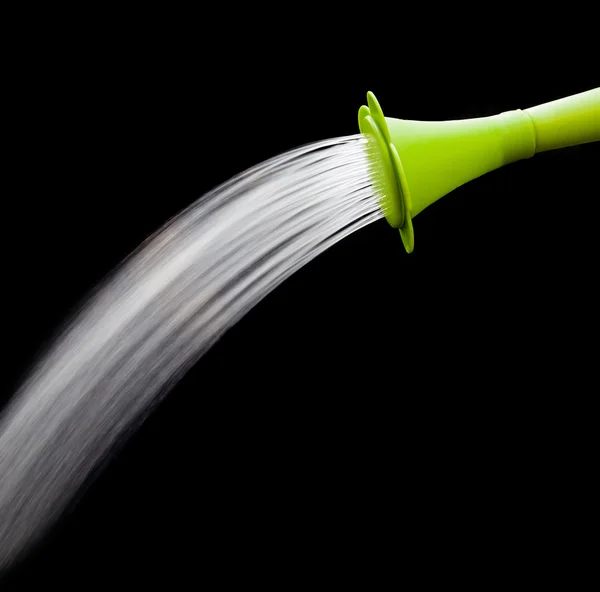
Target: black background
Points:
(378, 411)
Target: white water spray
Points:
(159, 312)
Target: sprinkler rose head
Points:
(387, 171)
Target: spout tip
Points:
(387, 172)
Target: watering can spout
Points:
(414, 163)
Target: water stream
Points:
(154, 317)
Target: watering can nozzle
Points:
(414, 163)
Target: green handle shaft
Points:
(567, 122)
